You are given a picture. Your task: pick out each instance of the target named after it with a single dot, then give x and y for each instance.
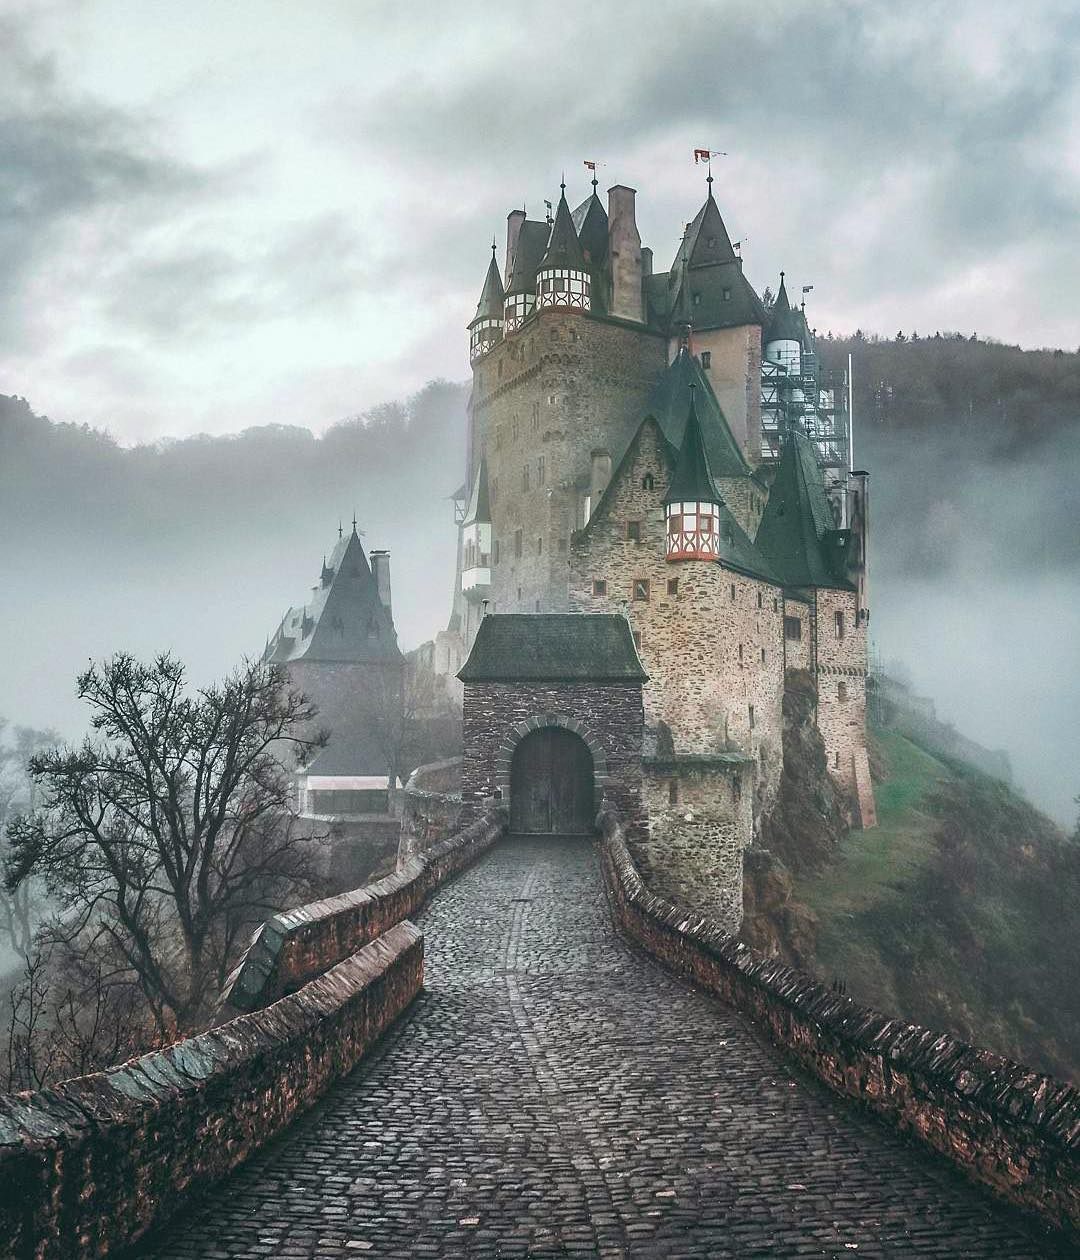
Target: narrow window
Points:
(633, 531)
(541, 472)
(836, 760)
(733, 592)
(727, 295)
(763, 656)
(706, 359)
(641, 588)
(673, 791)
(839, 618)
(740, 653)
(647, 482)
(776, 605)
(751, 717)
(673, 586)
(517, 546)
(599, 586)
(841, 692)
(792, 628)
(759, 599)
(540, 546)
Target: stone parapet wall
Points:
(1014, 1130)
(88, 1167)
(431, 808)
(297, 945)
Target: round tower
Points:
(692, 506)
(562, 279)
(486, 327)
(783, 333)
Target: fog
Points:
(198, 546)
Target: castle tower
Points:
(706, 285)
(783, 334)
(563, 281)
(693, 502)
(486, 327)
(526, 241)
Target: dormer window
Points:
(706, 359)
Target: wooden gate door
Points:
(551, 784)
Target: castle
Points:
(660, 446)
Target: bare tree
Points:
(166, 836)
(408, 718)
(17, 907)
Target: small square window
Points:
(727, 295)
(705, 524)
(706, 359)
(599, 586)
(641, 588)
(673, 586)
(674, 524)
(633, 531)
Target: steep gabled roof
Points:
(345, 621)
(531, 243)
(669, 402)
(490, 305)
(707, 279)
(707, 239)
(553, 647)
(564, 249)
(591, 223)
(479, 510)
(797, 533)
(692, 481)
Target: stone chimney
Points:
(625, 246)
(646, 261)
(514, 220)
(600, 476)
(380, 567)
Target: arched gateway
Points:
(551, 784)
(553, 720)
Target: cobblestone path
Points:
(554, 1093)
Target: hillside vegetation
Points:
(960, 911)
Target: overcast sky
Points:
(217, 215)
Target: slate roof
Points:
(564, 249)
(553, 647)
(531, 243)
(692, 480)
(355, 752)
(785, 324)
(669, 402)
(797, 534)
(344, 621)
(479, 509)
(591, 222)
(490, 305)
(705, 269)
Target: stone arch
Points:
(505, 755)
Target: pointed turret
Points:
(692, 502)
(562, 279)
(669, 402)
(783, 336)
(520, 298)
(707, 276)
(476, 539)
(486, 328)
(798, 535)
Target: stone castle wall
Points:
(564, 385)
(608, 716)
(702, 643)
(700, 824)
(841, 683)
(734, 372)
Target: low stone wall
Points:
(297, 945)
(89, 1166)
(431, 807)
(1012, 1129)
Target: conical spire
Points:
(692, 480)
(490, 305)
(669, 401)
(564, 249)
(785, 324)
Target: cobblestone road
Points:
(554, 1093)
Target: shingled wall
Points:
(1014, 1130)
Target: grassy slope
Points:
(957, 911)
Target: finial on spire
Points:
(340, 530)
(493, 244)
(708, 178)
(562, 182)
(354, 521)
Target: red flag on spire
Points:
(591, 165)
(701, 155)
